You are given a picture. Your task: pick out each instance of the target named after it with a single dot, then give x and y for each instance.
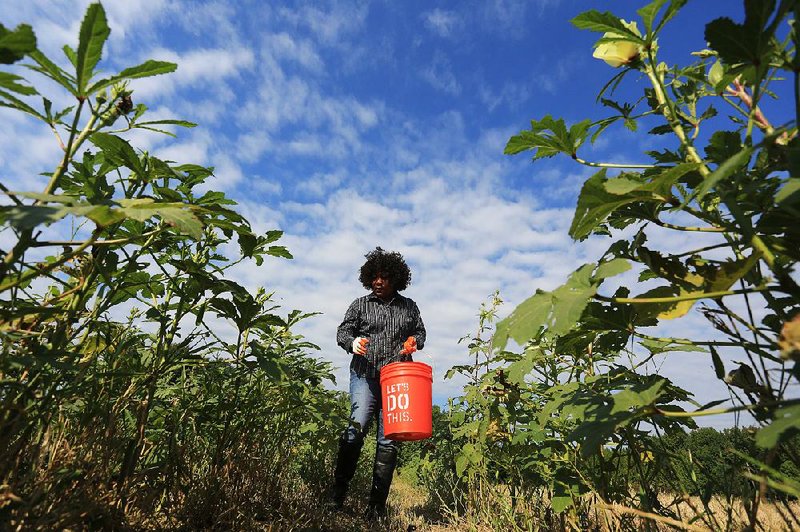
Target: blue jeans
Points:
(365, 404)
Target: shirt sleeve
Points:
(419, 327)
(346, 332)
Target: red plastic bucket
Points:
(406, 400)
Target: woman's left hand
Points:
(409, 346)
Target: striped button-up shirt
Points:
(387, 324)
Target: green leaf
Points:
(604, 22)
(789, 190)
(631, 400)
(518, 370)
(723, 145)
(784, 425)
(182, 123)
(711, 280)
(279, 251)
(570, 299)
(146, 69)
(65, 199)
(29, 216)
(733, 42)
(672, 10)
(461, 464)
(596, 201)
(102, 215)
(71, 55)
(719, 367)
(9, 82)
(8, 100)
(619, 186)
(175, 214)
(117, 151)
(611, 268)
(548, 137)
(560, 503)
(556, 312)
(93, 35)
(649, 12)
(51, 70)
(667, 345)
(15, 44)
(525, 321)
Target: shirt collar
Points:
(397, 297)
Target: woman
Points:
(378, 328)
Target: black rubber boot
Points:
(385, 461)
(346, 463)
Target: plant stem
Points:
(715, 411)
(49, 267)
(669, 114)
(693, 296)
(684, 228)
(649, 515)
(107, 242)
(612, 165)
(700, 250)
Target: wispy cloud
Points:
(442, 23)
(439, 74)
(329, 21)
(197, 67)
(301, 51)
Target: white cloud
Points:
(200, 66)
(286, 47)
(441, 22)
(439, 74)
(329, 22)
(28, 149)
(450, 231)
(319, 184)
(298, 116)
(506, 16)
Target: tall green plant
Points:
(735, 182)
(164, 409)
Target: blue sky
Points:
(351, 124)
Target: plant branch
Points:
(693, 296)
(649, 515)
(612, 165)
(738, 90)
(667, 225)
(10, 194)
(30, 274)
(700, 250)
(107, 242)
(730, 410)
(670, 115)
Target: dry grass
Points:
(250, 504)
(410, 510)
(690, 514)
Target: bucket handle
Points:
(433, 366)
(404, 358)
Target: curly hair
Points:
(390, 263)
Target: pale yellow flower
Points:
(618, 53)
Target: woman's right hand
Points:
(360, 345)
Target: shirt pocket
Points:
(408, 325)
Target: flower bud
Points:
(618, 53)
(715, 73)
(789, 340)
